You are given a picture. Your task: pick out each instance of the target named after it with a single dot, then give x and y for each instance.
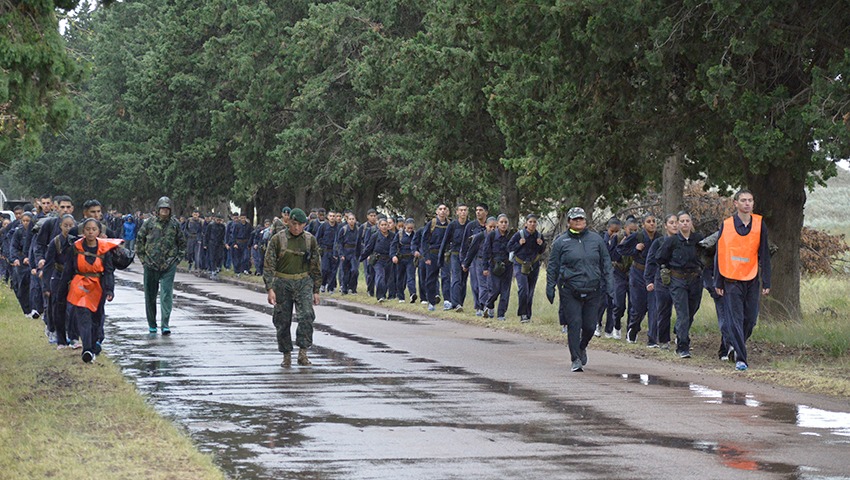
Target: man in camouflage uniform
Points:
(293, 276)
(160, 245)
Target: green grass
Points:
(826, 207)
(66, 419)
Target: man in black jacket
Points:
(580, 266)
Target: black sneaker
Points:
(413, 298)
(88, 356)
(577, 366)
(582, 355)
(166, 331)
(631, 335)
(685, 354)
(733, 356)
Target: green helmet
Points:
(164, 202)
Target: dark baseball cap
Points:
(576, 212)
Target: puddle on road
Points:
(803, 416)
(342, 393)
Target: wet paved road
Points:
(392, 397)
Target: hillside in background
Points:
(828, 207)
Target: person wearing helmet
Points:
(160, 244)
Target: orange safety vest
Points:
(737, 255)
(85, 290)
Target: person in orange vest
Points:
(91, 277)
(742, 257)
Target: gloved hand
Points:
(550, 294)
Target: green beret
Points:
(298, 215)
(285, 210)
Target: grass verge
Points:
(66, 419)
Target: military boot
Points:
(287, 360)
(302, 357)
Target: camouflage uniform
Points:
(159, 246)
(291, 268)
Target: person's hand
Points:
(486, 273)
(395, 260)
(235, 246)
(639, 247)
(342, 258)
(550, 295)
(227, 247)
(16, 263)
(272, 297)
(540, 241)
(41, 263)
(428, 262)
(416, 254)
(465, 269)
(47, 293)
(650, 287)
(719, 291)
(255, 247)
(109, 297)
(26, 261)
(33, 271)
(765, 291)
(316, 299)
(522, 241)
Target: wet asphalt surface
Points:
(413, 397)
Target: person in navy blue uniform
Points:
(214, 244)
(258, 246)
(316, 223)
(240, 244)
(228, 236)
(369, 228)
(622, 266)
(391, 269)
(326, 237)
(19, 259)
(741, 297)
(431, 248)
(528, 246)
(613, 227)
(347, 249)
(679, 253)
(401, 251)
(379, 249)
(709, 246)
(661, 309)
(637, 246)
(474, 267)
(472, 259)
(451, 249)
(498, 268)
(193, 228)
(419, 263)
(59, 254)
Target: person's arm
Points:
(108, 276)
(270, 263)
(369, 248)
(141, 241)
(552, 267)
(651, 264)
(394, 246)
(315, 269)
(665, 251)
(606, 268)
(719, 281)
(764, 259)
(627, 247)
(42, 240)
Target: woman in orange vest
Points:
(91, 277)
(743, 255)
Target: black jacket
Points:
(579, 262)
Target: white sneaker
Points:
(424, 302)
(402, 301)
(609, 335)
(617, 335)
(479, 313)
(598, 332)
(447, 305)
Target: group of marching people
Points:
(61, 269)
(635, 270)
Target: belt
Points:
(292, 276)
(435, 251)
(91, 275)
(349, 245)
(59, 268)
(682, 275)
(405, 255)
(639, 266)
(455, 253)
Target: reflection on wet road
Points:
(377, 408)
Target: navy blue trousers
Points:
(383, 274)
(500, 287)
(329, 268)
(659, 321)
(458, 283)
(638, 300)
(480, 283)
(405, 277)
(621, 293)
(742, 305)
(525, 285)
(687, 295)
(350, 272)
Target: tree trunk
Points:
(673, 183)
(588, 203)
(365, 198)
(509, 196)
(301, 199)
(780, 198)
(417, 210)
(315, 199)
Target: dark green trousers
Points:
(298, 294)
(162, 283)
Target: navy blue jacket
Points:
(402, 244)
(347, 242)
(627, 248)
(326, 236)
(496, 247)
(378, 244)
(528, 251)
